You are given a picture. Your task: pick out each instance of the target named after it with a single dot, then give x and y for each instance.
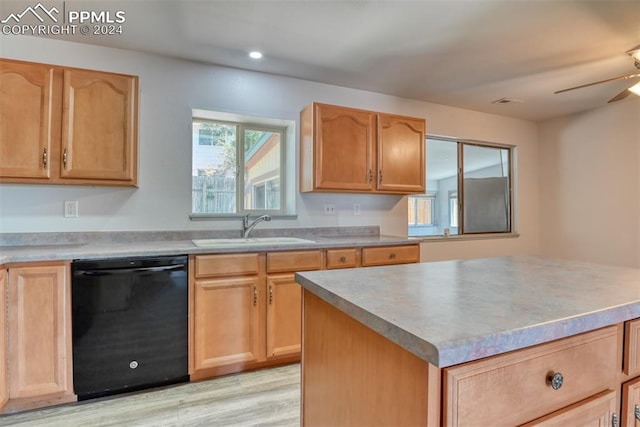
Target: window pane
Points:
(214, 168)
(486, 189)
(261, 170)
(442, 179)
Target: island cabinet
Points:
(559, 374)
(348, 369)
(351, 150)
(630, 415)
(39, 353)
(62, 125)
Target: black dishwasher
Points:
(130, 327)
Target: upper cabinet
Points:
(62, 125)
(349, 150)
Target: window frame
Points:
(460, 143)
(241, 127)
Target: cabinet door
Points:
(284, 315)
(27, 112)
(597, 411)
(226, 322)
(401, 154)
(39, 331)
(344, 143)
(631, 403)
(99, 126)
(4, 389)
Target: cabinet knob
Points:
(555, 380)
(343, 259)
(636, 412)
(392, 256)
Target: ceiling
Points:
(453, 52)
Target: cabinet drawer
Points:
(390, 255)
(225, 265)
(497, 391)
(632, 347)
(342, 258)
(595, 411)
(294, 261)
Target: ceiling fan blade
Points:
(622, 95)
(625, 77)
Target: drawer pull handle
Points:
(392, 256)
(636, 412)
(343, 259)
(555, 380)
(614, 420)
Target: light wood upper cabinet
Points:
(349, 150)
(40, 355)
(28, 108)
(401, 154)
(4, 388)
(61, 125)
(99, 126)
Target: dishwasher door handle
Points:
(105, 272)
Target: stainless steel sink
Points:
(251, 241)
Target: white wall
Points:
(590, 185)
(171, 88)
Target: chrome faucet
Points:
(246, 227)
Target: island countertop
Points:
(453, 312)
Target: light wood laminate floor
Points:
(268, 397)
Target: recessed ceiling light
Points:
(255, 54)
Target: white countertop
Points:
(457, 311)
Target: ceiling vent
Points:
(506, 101)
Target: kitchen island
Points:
(473, 342)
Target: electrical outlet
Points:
(70, 208)
(329, 209)
(356, 208)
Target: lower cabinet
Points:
(38, 330)
(555, 381)
(598, 411)
(226, 315)
(284, 300)
(631, 403)
(246, 310)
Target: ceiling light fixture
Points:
(635, 89)
(255, 55)
(634, 53)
